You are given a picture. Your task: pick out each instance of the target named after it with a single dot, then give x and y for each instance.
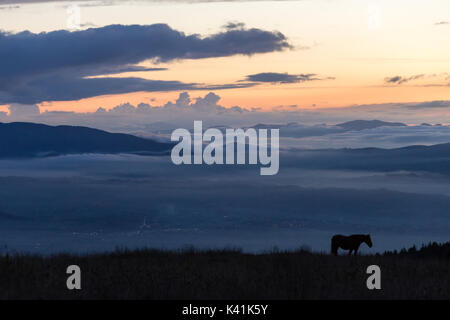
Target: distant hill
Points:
(298, 130)
(21, 139)
(441, 150)
(434, 158)
(357, 125)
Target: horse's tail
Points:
(333, 246)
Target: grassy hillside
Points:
(228, 274)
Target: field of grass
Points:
(228, 274)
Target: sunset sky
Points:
(337, 52)
(350, 97)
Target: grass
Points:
(228, 274)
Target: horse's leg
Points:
(334, 248)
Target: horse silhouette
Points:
(350, 243)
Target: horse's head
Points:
(368, 241)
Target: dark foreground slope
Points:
(151, 274)
(21, 139)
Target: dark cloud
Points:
(53, 66)
(443, 77)
(234, 25)
(124, 69)
(396, 79)
(117, 45)
(274, 77)
(61, 88)
(401, 80)
(431, 104)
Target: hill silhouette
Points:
(23, 139)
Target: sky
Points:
(146, 67)
(308, 54)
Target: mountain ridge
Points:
(358, 125)
(27, 139)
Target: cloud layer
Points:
(300, 128)
(400, 79)
(54, 65)
(274, 77)
(441, 78)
